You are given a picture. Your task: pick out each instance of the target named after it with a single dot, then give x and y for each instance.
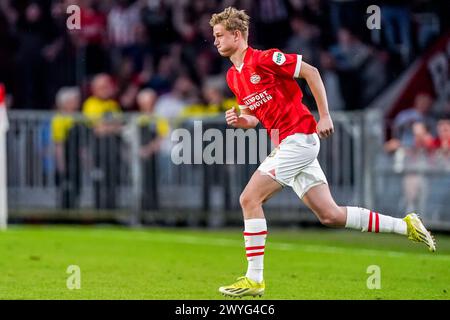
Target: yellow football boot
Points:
(243, 287)
(417, 232)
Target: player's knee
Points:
(332, 217)
(248, 202)
(329, 218)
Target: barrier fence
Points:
(74, 169)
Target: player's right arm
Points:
(244, 120)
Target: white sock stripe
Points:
(255, 225)
(253, 251)
(255, 241)
(255, 238)
(353, 218)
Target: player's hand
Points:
(232, 117)
(325, 127)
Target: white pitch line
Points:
(185, 239)
(299, 247)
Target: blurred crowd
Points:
(167, 46)
(419, 131)
(157, 57)
(420, 150)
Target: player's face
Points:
(224, 40)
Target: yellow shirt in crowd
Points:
(95, 108)
(210, 110)
(60, 126)
(162, 125)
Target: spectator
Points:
(417, 161)
(101, 104)
(128, 83)
(304, 40)
(374, 75)
(213, 101)
(317, 13)
(350, 55)
(123, 20)
(159, 127)
(65, 136)
(427, 20)
(396, 17)
(152, 130)
(442, 142)
(345, 13)
(415, 190)
(61, 53)
(161, 80)
(157, 18)
(213, 94)
(103, 112)
(404, 120)
(423, 140)
(349, 52)
(167, 38)
(141, 54)
(331, 81)
(92, 38)
(272, 26)
(34, 33)
(170, 105)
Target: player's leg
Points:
(319, 199)
(260, 188)
(321, 202)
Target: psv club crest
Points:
(255, 79)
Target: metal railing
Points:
(105, 176)
(414, 181)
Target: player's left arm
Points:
(312, 76)
(292, 65)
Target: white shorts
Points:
(294, 163)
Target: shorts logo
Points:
(255, 79)
(279, 58)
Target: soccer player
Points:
(267, 92)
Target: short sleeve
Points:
(283, 64)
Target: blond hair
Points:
(232, 19)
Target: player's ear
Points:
(236, 34)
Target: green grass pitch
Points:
(154, 263)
